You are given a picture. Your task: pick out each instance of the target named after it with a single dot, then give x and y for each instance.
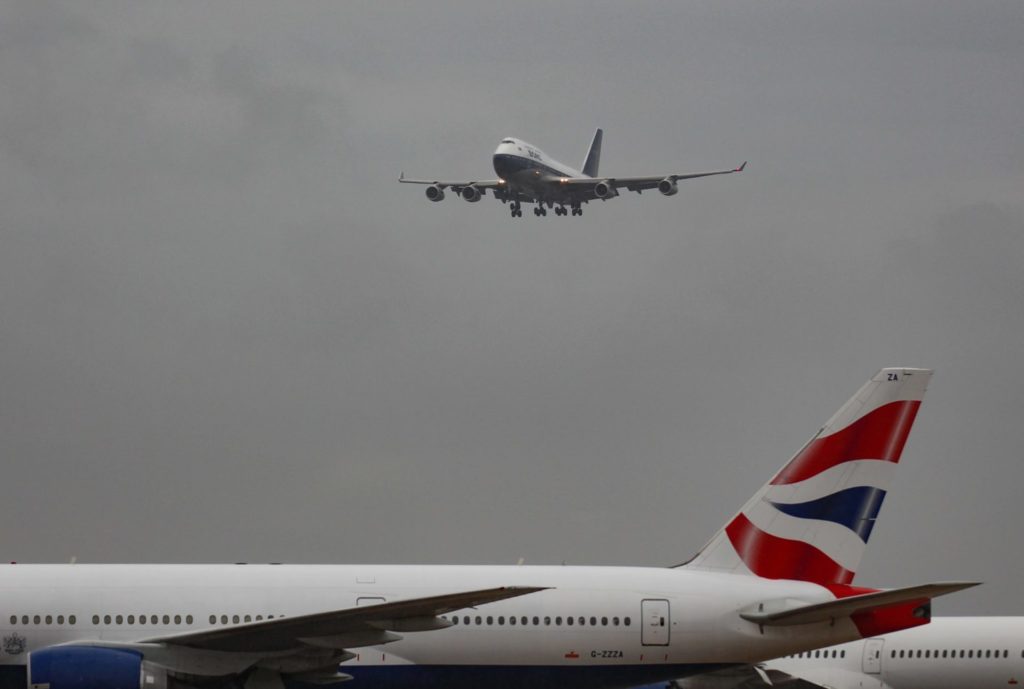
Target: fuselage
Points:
(525, 168)
(948, 653)
(593, 627)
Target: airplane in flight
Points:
(948, 653)
(773, 581)
(528, 175)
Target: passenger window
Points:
(248, 618)
(14, 619)
(154, 619)
(142, 619)
(465, 620)
(35, 620)
(213, 619)
(106, 619)
(593, 621)
(501, 620)
(131, 619)
(119, 619)
(479, 620)
(259, 618)
(615, 621)
(177, 619)
(223, 619)
(490, 620)
(167, 619)
(188, 620)
(512, 619)
(604, 621)
(569, 621)
(558, 621)
(625, 621)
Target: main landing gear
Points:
(540, 211)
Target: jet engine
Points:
(86, 667)
(471, 194)
(435, 193)
(668, 187)
(603, 190)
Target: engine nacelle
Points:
(471, 194)
(88, 667)
(435, 193)
(668, 187)
(603, 190)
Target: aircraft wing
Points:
(642, 183)
(746, 677)
(457, 187)
(369, 625)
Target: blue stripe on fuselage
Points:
(507, 165)
(511, 677)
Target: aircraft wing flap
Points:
(355, 627)
(845, 607)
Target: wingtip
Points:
(740, 168)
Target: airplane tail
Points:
(593, 159)
(812, 521)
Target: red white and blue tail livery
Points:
(812, 521)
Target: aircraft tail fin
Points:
(812, 520)
(593, 159)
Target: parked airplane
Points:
(773, 581)
(949, 653)
(527, 174)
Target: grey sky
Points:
(227, 333)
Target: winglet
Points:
(401, 175)
(740, 168)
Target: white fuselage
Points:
(525, 167)
(948, 653)
(628, 626)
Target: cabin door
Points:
(654, 622)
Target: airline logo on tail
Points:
(812, 521)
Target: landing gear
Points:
(576, 210)
(561, 210)
(540, 210)
(517, 210)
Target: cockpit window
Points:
(507, 141)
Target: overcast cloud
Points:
(227, 333)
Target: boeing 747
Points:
(528, 175)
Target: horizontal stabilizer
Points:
(846, 607)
